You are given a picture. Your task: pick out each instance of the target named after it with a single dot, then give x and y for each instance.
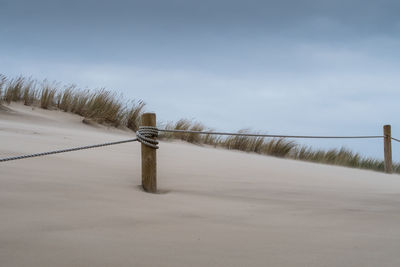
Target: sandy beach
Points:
(215, 207)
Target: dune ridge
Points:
(107, 107)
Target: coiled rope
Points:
(145, 135)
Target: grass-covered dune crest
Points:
(107, 107)
(101, 105)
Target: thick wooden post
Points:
(387, 133)
(149, 160)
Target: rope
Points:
(272, 135)
(395, 139)
(66, 150)
(145, 135)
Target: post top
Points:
(148, 119)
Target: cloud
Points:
(302, 67)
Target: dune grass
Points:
(133, 113)
(342, 157)
(101, 106)
(3, 80)
(278, 147)
(106, 107)
(185, 125)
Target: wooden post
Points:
(149, 160)
(387, 133)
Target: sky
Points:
(313, 67)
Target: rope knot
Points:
(145, 135)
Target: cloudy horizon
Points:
(288, 67)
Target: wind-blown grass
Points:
(278, 147)
(100, 106)
(108, 108)
(13, 89)
(185, 125)
(3, 80)
(133, 113)
(47, 96)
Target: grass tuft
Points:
(104, 107)
(65, 98)
(29, 92)
(3, 80)
(48, 93)
(133, 114)
(13, 89)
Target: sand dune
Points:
(216, 207)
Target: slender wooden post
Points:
(149, 160)
(387, 133)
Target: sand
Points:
(216, 207)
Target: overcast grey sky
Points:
(290, 67)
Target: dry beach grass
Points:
(107, 107)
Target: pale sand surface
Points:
(218, 207)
